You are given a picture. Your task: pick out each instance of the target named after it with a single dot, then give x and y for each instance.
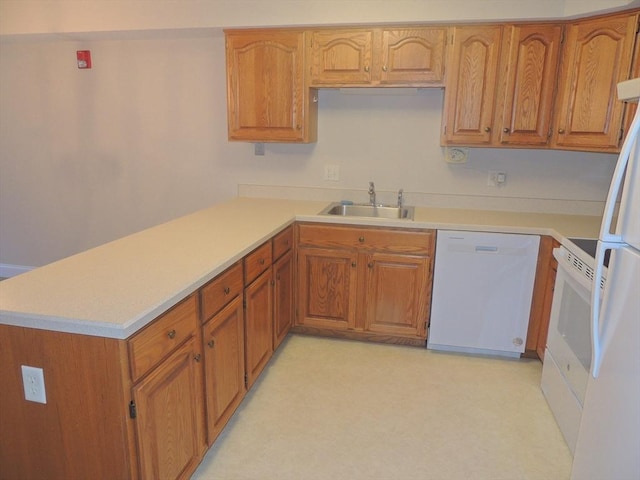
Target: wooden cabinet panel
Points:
(597, 55)
(170, 416)
(220, 291)
(341, 57)
(282, 242)
(530, 70)
(223, 339)
(267, 97)
(257, 262)
(408, 56)
(154, 342)
(468, 115)
(398, 294)
(327, 282)
(283, 308)
(413, 56)
(383, 240)
(258, 316)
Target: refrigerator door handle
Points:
(596, 307)
(616, 182)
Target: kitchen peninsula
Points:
(81, 319)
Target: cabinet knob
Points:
(370, 264)
(261, 261)
(226, 290)
(298, 127)
(361, 239)
(366, 68)
(384, 68)
(505, 130)
(197, 357)
(353, 264)
(487, 129)
(561, 131)
(211, 343)
(172, 334)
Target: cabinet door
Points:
(398, 293)
(471, 85)
(258, 316)
(597, 55)
(341, 57)
(413, 56)
(327, 283)
(170, 419)
(529, 78)
(282, 298)
(265, 87)
(223, 338)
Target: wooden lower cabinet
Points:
(398, 292)
(542, 298)
(258, 315)
(367, 283)
(283, 307)
(170, 416)
(223, 338)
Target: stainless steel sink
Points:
(370, 211)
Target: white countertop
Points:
(117, 288)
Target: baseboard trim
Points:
(7, 270)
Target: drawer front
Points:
(414, 242)
(220, 291)
(282, 243)
(162, 336)
(257, 262)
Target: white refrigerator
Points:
(608, 445)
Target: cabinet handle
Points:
(226, 290)
(384, 68)
(505, 130)
(361, 239)
(366, 68)
(172, 334)
(197, 357)
(561, 131)
(211, 343)
(370, 264)
(261, 261)
(487, 129)
(353, 264)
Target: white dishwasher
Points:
(482, 289)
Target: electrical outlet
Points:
(332, 173)
(33, 382)
(496, 178)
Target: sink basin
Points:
(370, 211)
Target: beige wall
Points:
(89, 156)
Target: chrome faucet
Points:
(400, 198)
(372, 194)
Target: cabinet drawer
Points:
(220, 291)
(257, 262)
(282, 243)
(162, 336)
(415, 242)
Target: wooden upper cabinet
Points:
(471, 85)
(341, 57)
(597, 55)
(267, 96)
(378, 57)
(528, 79)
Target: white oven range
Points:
(567, 359)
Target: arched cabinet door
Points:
(597, 55)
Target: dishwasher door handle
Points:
(485, 249)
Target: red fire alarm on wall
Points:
(84, 58)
